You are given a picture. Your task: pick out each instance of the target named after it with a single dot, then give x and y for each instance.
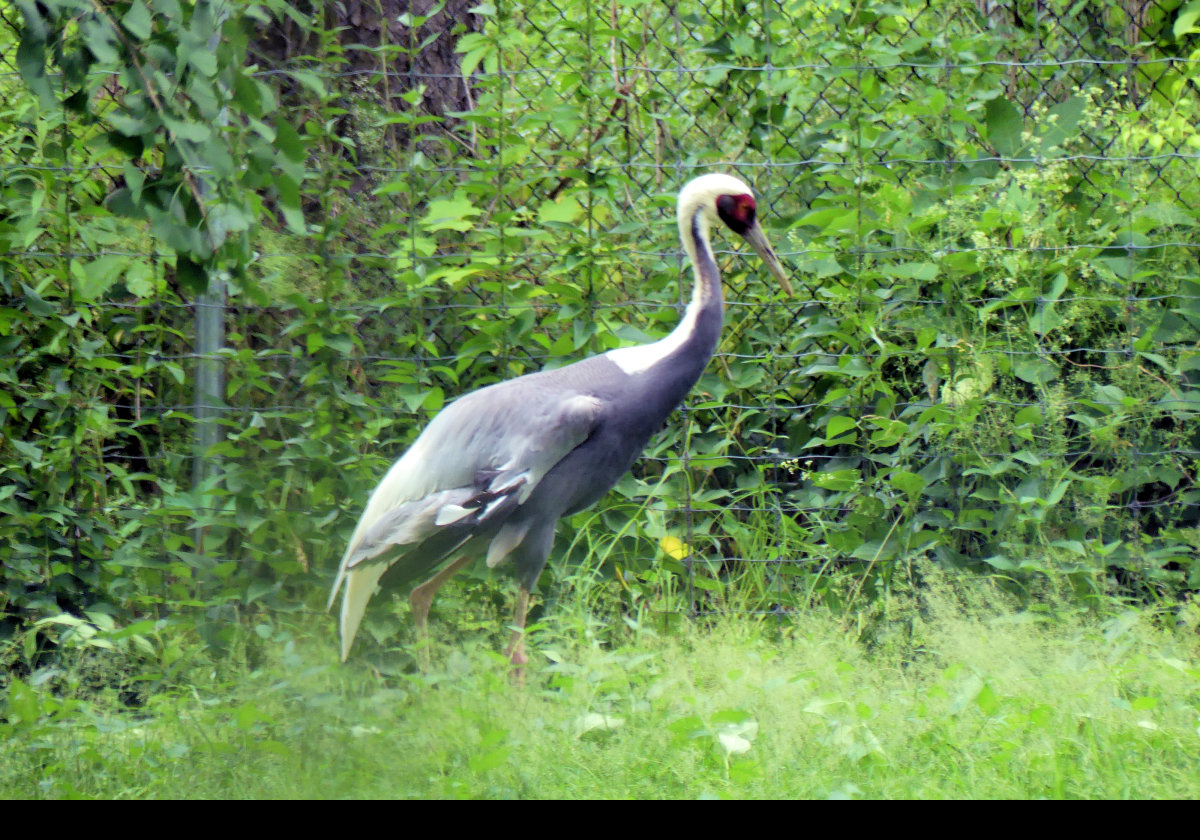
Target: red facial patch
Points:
(736, 211)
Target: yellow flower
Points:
(674, 548)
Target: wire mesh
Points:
(613, 107)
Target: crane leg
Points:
(516, 645)
(420, 600)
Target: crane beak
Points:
(758, 241)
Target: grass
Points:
(944, 702)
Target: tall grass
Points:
(955, 692)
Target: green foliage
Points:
(140, 155)
(991, 366)
(975, 701)
(183, 118)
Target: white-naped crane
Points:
(493, 473)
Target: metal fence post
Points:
(210, 367)
(210, 384)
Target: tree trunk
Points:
(397, 58)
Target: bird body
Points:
(494, 472)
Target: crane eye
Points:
(737, 212)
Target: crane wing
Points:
(475, 463)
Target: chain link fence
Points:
(989, 209)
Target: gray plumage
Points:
(494, 472)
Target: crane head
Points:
(739, 213)
(731, 201)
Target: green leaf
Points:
(1035, 371)
(906, 482)
(95, 277)
(191, 275)
(1061, 123)
(925, 271)
(839, 426)
(36, 27)
(289, 205)
(135, 179)
(23, 705)
(100, 40)
(837, 480)
(489, 760)
(199, 56)
(137, 21)
(122, 203)
(817, 264)
(1185, 24)
(249, 714)
(1046, 319)
(247, 95)
(1164, 214)
(169, 9)
(310, 80)
(35, 305)
(188, 130)
(688, 727)
(451, 214)
(987, 701)
(566, 210)
(1058, 492)
(129, 125)
(230, 217)
(31, 62)
(1004, 126)
(999, 561)
(257, 589)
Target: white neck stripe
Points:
(641, 357)
(697, 206)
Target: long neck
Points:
(697, 334)
(676, 362)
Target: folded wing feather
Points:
(474, 464)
